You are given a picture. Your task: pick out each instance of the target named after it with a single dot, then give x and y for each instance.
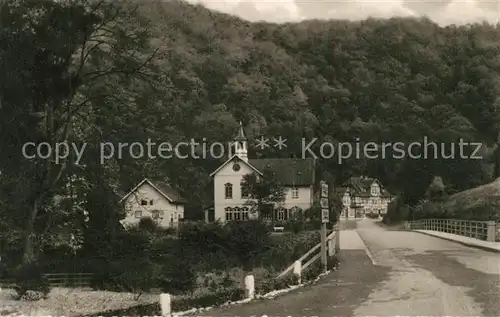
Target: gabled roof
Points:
(163, 188)
(289, 171)
(233, 158)
(360, 186)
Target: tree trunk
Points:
(28, 243)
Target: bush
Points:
(397, 212)
(231, 294)
(372, 215)
(294, 226)
(176, 276)
(238, 243)
(138, 260)
(313, 271)
(287, 248)
(139, 310)
(332, 263)
(273, 284)
(147, 224)
(228, 295)
(127, 267)
(247, 239)
(485, 211)
(30, 282)
(204, 237)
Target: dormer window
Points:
(228, 191)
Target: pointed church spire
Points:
(240, 142)
(241, 134)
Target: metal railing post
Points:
(491, 231)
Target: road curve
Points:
(415, 274)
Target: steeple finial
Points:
(241, 134)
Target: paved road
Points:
(414, 274)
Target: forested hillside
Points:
(382, 81)
(392, 80)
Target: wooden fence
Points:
(314, 255)
(60, 280)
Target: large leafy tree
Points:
(264, 192)
(58, 59)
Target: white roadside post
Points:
(166, 305)
(297, 271)
(325, 218)
(491, 231)
(249, 287)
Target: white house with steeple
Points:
(231, 198)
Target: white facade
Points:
(227, 177)
(357, 204)
(147, 200)
(224, 178)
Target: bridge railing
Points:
(313, 255)
(482, 230)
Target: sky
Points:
(444, 12)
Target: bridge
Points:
(428, 268)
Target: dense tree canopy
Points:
(396, 80)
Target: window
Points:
(281, 214)
(155, 214)
(237, 213)
(151, 202)
(245, 193)
(228, 190)
(138, 214)
(295, 193)
(144, 203)
(229, 216)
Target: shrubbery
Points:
(312, 272)
(273, 283)
(372, 215)
(199, 263)
(141, 260)
(397, 212)
(333, 262)
(31, 284)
